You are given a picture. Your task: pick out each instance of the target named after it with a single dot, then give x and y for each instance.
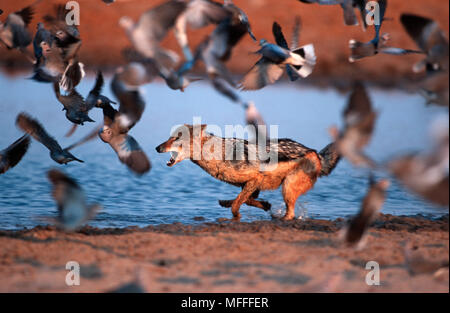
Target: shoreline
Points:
(264, 256)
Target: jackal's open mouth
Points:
(173, 158)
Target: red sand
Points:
(270, 256)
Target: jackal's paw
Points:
(226, 203)
(266, 205)
(236, 218)
(288, 217)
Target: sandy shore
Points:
(268, 256)
(323, 26)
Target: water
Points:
(179, 194)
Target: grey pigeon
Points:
(275, 58)
(199, 14)
(14, 33)
(431, 39)
(125, 146)
(37, 131)
(73, 210)
(217, 48)
(125, 86)
(152, 28)
(359, 118)
(73, 103)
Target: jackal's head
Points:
(182, 142)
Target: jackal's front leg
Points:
(249, 188)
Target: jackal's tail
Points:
(329, 158)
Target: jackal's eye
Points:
(175, 138)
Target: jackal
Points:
(243, 164)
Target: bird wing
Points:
(371, 205)
(132, 104)
(225, 89)
(201, 13)
(158, 20)
(296, 32)
(98, 84)
(131, 154)
(37, 131)
(26, 14)
(279, 36)
(424, 31)
(263, 73)
(91, 136)
(14, 153)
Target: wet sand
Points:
(103, 39)
(268, 256)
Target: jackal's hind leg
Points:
(264, 205)
(295, 185)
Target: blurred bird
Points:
(428, 36)
(52, 67)
(432, 41)
(142, 70)
(73, 103)
(348, 6)
(378, 44)
(139, 71)
(255, 119)
(217, 48)
(76, 107)
(371, 205)
(426, 175)
(198, 14)
(35, 130)
(275, 57)
(359, 119)
(73, 210)
(95, 97)
(57, 54)
(66, 36)
(152, 28)
(42, 35)
(14, 33)
(126, 89)
(417, 263)
(12, 155)
(125, 146)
